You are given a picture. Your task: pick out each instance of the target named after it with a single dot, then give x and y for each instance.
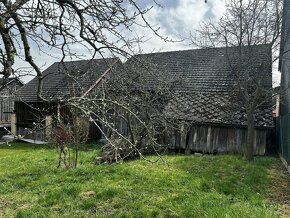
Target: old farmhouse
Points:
(60, 82)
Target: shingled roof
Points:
(199, 70)
(211, 108)
(202, 80)
(63, 79)
(4, 82)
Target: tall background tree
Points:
(246, 24)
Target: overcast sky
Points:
(176, 19)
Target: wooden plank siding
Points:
(6, 109)
(7, 98)
(36, 112)
(216, 139)
(27, 114)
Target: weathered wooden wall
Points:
(215, 139)
(37, 112)
(284, 65)
(26, 115)
(6, 109)
(7, 101)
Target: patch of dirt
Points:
(285, 211)
(88, 193)
(4, 203)
(280, 188)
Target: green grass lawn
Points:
(187, 186)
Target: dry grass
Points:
(280, 188)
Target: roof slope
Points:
(63, 79)
(212, 108)
(8, 86)
(6, 81)
(201, 70)
(203, 80)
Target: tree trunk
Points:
(131, 134)
(76, 156)
(249, 149)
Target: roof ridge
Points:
(84, 60)
(199, 49)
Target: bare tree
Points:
(245, 25)
(101, 27)
(98, 26)
(128, 110)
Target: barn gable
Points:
(63, 79)
(8, 87)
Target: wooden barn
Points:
(8, 87)
(211, 128)
(202, 82)
(62, 80)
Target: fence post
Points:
(183, 134)
(13, 122)
(48, 127)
